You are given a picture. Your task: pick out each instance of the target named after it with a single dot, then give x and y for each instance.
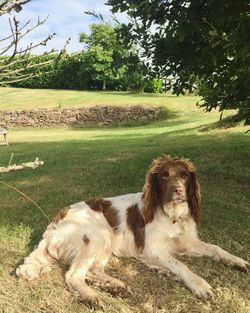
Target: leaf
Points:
(213, 33)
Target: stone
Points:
(100, 115)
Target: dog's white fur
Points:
(85, 240)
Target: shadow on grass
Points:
(128, 93)
(227, 122)
(141, 95)
(76, 170)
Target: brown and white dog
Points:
(152, 226)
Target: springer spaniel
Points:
(152, 226)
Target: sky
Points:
(66, 19)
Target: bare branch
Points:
(39, 23)
(23, 77)
(6, 6)
(15, 35)
(15, 167)
(20, 78)
(6, 38)
(7, 73)
(21, 60)
(32, 46)
(14, 67)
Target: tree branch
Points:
(13, 67)
(6, 6)
(28, 66)
(15, 167)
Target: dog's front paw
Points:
(241, 264)
(94, 301)
(201, 288)
(121, 291)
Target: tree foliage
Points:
(100, 46)
(106, 62)
(108, 58)
(66, 73)
(74, 72)
(71, 72)
(135, 75)
(203, 45)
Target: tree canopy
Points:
(101, 45)
(104, 63)
(108, 58)
(203, 45)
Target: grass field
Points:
(21, 98)
(80, 163)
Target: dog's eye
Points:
(184, 174)
(165, 174)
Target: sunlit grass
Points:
(23, 98)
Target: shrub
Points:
(154, 85)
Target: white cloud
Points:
(66, 19)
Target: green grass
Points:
(80, 163)
(21, 98)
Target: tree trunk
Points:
(104, 84)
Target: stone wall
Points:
(101, 115)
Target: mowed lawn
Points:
(81, 163)
(23, 98)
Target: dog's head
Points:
(171, 184)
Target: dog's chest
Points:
(177, 230)
(166, 229)
(168, 236)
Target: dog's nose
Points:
(178, 190)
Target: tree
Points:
(100, 47)
(109, 58)
(203, 45)
(135, 72)
(15, 61)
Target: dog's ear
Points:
(150, 197)
(193, 192)
(194, 198)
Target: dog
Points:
(152, 226)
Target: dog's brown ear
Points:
(150, 197)
(194, 198)
(194, 194)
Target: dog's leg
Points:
(195, 283)
(200, 248)
(98, 277)
(165, 272)
(42, 258)
(39, 260)
(75, 280)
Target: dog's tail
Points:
(39, 260)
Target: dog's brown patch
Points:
(105, 206)
(61, 215)
(136, 224)
(85, 239)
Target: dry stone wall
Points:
(102, 115)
